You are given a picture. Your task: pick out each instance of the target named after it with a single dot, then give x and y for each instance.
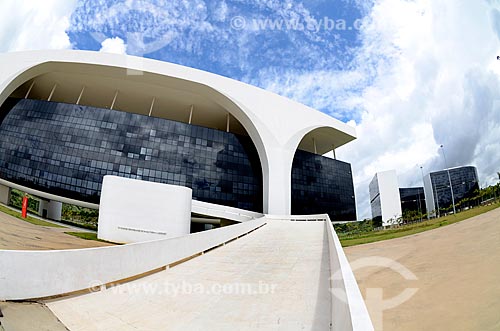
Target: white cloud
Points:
(34, 24)
(221, 11)
(145, 26)
(332, 91)
(437, 90)
(425, 75)
(198, 33)
(113, 45)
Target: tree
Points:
(475, 198)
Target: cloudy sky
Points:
(410, 75)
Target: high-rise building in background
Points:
(412, 202)
(384, 198)
(464, 183)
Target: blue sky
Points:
(278, 37)
(410, 75)
(201, 34)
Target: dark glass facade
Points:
(322, 185)
(464, 181)
(66, 150)
(412, 200)
(375, 203)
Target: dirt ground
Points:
(20, 235)
(457, 271)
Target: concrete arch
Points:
(282, 160)
(324, 139)
(275, 124)
(225, 101)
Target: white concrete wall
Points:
(389, 196)
(198, 207)
(4, 194)
(36, 274)
(134, 210)
(349, 312)
(348, 308)
(230, 213)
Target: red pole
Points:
(25, 207)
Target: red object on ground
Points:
(25, 207)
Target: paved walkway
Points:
(284, 265)
(73, 228)
(458, 271)
(26, 316)
(20, 235)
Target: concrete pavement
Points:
(275, 278)
(28, 316)
(20, 235)
(458, 277)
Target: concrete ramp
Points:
(275, 278)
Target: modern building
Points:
(412, 202)
(384, 198)
(68, 118)
(464, 182)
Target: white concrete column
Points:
(52, 92)
(43, 205)
(114, 101)
(152, 106)
(80, 96)
(278, 183)
(53, 209)
(191, 114)
(4, 194)
(29, 90)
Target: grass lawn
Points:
(29, 219)
(88, 236)
(406, 230)
(84, 235)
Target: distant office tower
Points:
(384, 198)
(464, 181)
(412, 202)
